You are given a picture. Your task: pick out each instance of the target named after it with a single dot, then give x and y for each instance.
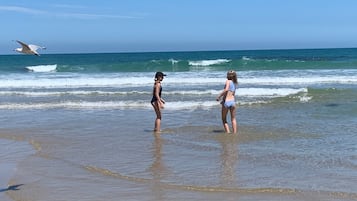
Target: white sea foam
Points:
(305, 98)
(300, 80)
(245, 58)
(269, 92)
(180, 105)
(208, 62)
(240, 92)
(170, 105)
(110, 105)
(96, 81)
(73, 82)
(63, 93)
(42, 68)
(120, 82)
(173, 61)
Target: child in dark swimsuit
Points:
(157, 102)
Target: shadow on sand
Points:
(11, 188)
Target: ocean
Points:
(89, 121)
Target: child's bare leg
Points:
(224, 119)
(233, 118)
(157, 126)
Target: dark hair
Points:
(159, 74)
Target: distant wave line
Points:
(108, 105)
(175, 105)
(121, 82)
(249, 92)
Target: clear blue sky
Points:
(74, 26)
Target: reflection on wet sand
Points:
(157, 168)
(229, 159)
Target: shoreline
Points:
(12, 152)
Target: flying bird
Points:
(28, 49)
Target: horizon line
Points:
(178, 51)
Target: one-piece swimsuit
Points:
(154, 99)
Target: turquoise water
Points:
(187, 61)
(89, 119)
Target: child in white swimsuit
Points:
(228, 103)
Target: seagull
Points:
(28, 49)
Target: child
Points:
(157, 102)
(228, 102)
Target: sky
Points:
(92, 26)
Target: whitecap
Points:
(42, 68)
(208, 62)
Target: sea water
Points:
(90, 121)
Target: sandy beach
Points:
(6, 171)
(11, 153)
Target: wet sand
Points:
(6, 171)
(11, 154)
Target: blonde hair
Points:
(232, 75)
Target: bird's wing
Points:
(36, 53)
(34, 47)
(25, 47)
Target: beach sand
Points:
(41, 177)
(6, 171)
(11, 153)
